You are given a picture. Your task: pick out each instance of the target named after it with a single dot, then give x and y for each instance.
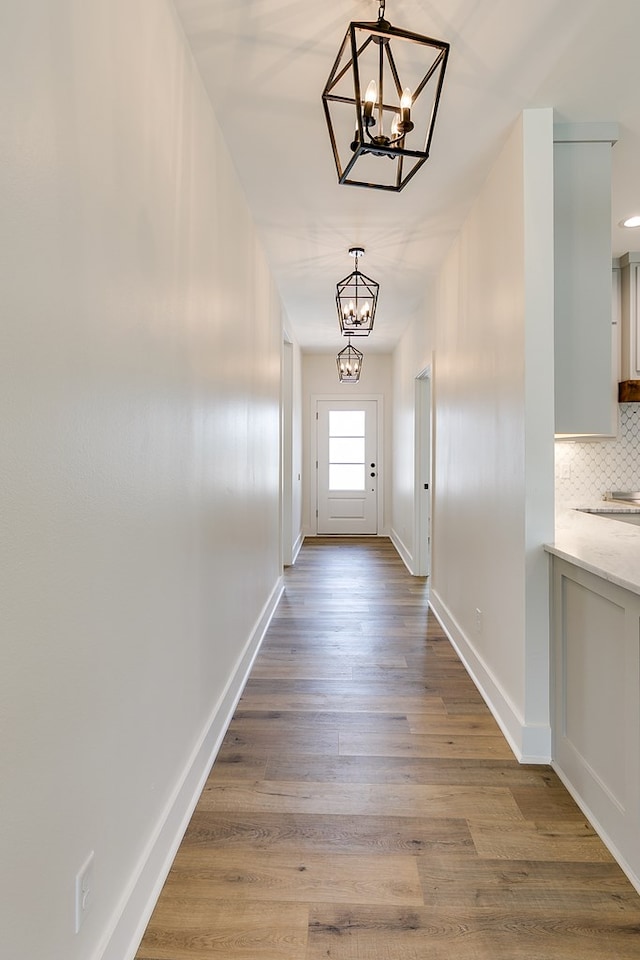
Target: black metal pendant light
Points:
(385, 85)
(356, 300)
(349, 363)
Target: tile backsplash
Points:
(585, 470)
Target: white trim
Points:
(598, 132)
(530, 743)
(403, 552)
(130, 920)
(296, 548)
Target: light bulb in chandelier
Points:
(349, 313)
(370, 98)
(405, 125)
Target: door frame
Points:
(313, 473)
(286, 453)
(423, 464)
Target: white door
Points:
(347, 467)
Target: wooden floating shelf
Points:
(629, 391)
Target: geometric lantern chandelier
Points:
(356, 300)
(349, 363)
(385, 85)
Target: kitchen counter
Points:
(606, 547)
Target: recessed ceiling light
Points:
(631, 222)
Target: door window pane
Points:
(346, 476)
(346, 449)
(346, 423)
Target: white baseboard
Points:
(597, 826)
(384, 534)
(530, 743)
(405, 554)
(136, 905)
(296, 548)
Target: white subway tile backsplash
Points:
(585, 470)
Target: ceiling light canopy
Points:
(349, 363)
(631, 222)
(385, 84)
(356, 300)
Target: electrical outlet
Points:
(565, 471)
(478, 620)
(84, 890)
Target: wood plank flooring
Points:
(365, 805)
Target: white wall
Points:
(320, 378)
(493, 435)
(140, 357)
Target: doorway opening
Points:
(287, 546)
(423, 486)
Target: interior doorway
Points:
(423, 490)
(286, 460)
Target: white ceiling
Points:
(265, 63)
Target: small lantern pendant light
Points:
(356, 300)
(349, 363)
(395, 118)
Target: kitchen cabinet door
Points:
(630, 316)
(585, 392)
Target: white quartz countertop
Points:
(606, 547)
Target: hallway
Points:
(365, 805)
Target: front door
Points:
(347, 467)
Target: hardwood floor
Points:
(365, 805)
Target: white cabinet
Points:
(629, 267)
(585, 394)
(596, 706)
